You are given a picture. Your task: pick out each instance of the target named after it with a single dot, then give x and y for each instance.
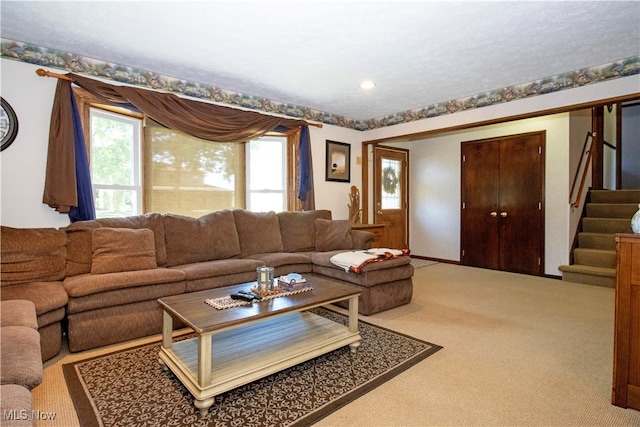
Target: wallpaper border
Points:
(46, 57)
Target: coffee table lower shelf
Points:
(249, 352)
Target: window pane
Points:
(266, 167)
(111, 151)
(266, 174)
(115, 163)
(115, 203)
(391, 182)
(265, 202)
(190, 176)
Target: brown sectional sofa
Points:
(116, 268)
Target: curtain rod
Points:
(44, 73)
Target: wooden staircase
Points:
(594, 258)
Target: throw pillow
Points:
(332, 235)
(122, 249)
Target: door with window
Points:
(502, 203)
(390, 195)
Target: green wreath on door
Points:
(389, 180)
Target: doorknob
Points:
(494, 214)
(379, 212)
(503, 214)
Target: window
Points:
(267, 174)
(190, 176)
(115, 164)
(150, 168)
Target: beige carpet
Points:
(518, 350)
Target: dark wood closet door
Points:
(502, 212)
(520, 212)
(481, 201)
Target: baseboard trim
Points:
(445, 261)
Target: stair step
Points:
(606, 241)
(615, 196)
(611, 210)
(588, 275)
(594, 257)
(606, 225)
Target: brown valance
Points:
(200, 119)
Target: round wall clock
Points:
(8, 124)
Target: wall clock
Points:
(8, 124)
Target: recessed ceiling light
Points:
(367, 84)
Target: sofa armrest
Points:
(362, 239)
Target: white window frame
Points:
(136, 187)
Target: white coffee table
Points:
(236, 346)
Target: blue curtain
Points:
(305, 188)
(85, 209)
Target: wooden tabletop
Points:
(192, 309)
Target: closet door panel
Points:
(481, 201)
(521, 204)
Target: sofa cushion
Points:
(87, 284)
(20, 355)
(216, 268)
(18, 312)
(210, 237)
(298, 229)
(153, 221)
(276, 259)
(259, 232)
(79, 249)
(32, 254)
(122, 249)
(124, 296)
(48, 297)
(332, 235)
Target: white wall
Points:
(23, 164)
(330, 194)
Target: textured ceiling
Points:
(315, 53)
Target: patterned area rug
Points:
(130, 388)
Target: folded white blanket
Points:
(351, 259)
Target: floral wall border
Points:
(29, 53)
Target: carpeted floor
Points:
(130, 387)
(419, 262)
(518, 351)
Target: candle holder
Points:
(265, 278)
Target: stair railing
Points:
(585, 162)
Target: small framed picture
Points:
(338, 163)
